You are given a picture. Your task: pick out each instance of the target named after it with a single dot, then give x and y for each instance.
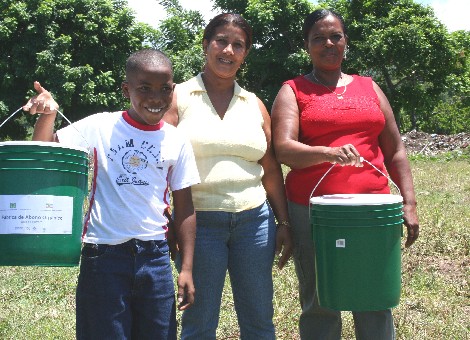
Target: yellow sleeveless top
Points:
(227, 150)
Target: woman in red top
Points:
(328, 117)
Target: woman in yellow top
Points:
(241, 190)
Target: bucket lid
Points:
(37, 143)
(356, 199)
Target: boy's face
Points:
(150, 91)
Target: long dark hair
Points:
(317, 15)
(229, 18)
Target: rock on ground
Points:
(432, 144)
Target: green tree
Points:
(76, 48)
(452, 113)
(180, 36)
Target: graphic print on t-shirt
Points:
(135, 160)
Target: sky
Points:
(452, 13)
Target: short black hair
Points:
(317, 15)
(144, 57)
(225, 19)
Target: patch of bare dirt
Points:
(454, 270)
(432, 144)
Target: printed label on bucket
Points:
(36, 214)
(341, 243)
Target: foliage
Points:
(77, 49)
(181, 38)
(458, 84)
(452, 113)
(448, 117)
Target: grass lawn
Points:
(38, 303)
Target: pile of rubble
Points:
(431, 144)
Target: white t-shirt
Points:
(135, 167)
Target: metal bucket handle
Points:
(91, 155)
(68, 121)
(362, 160)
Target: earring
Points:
(345, 52)
(242, 66)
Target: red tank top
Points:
(328, 121)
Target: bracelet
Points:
(284, 223)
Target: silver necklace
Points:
(338, 95)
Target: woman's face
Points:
(326, 43)
(226, 51)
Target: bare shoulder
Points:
(285, 93)
(377, 89)
(285, 102)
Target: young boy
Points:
(125, 287)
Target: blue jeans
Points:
(317, 322)
(242, 243)
(126, 291)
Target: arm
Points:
(171, 235)
(185, 228)
(289, 151)
(171, 117)
(273, 182)
(46, 105)
(398, 166)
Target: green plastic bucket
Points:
(42, 193)
(357, 241)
